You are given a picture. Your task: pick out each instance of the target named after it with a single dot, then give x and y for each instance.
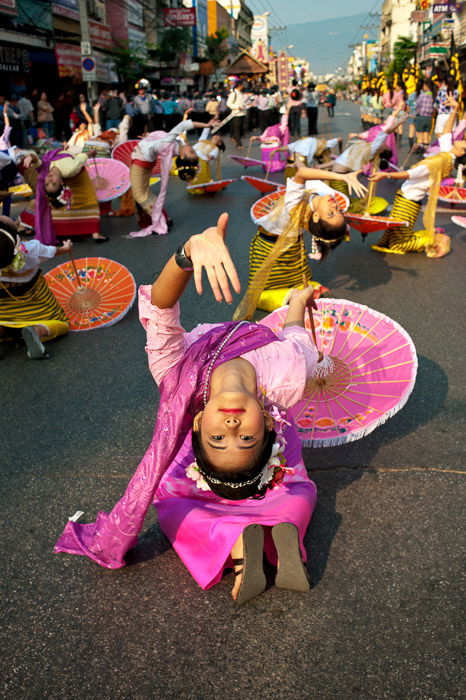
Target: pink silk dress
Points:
(202, 526)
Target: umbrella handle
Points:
(370, 195)
(309, 310)
(95, 166)
(248, 154)
(80, 284)
(410, 153)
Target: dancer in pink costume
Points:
(224, 468)
(166, 146)
(273, 138)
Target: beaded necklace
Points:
(217, 353)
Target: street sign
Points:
(86, 48)
(88, 67)
(179, 17)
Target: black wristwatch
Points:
(182, 259)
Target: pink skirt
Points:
(203, 527)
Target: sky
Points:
(296, 11)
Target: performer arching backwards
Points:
(66, 203)
(277, 257)
(224, 468)
(27, 305)
(425, 177)
(208, 149)
(159, 144)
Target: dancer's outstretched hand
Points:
(354, 185)
(378, 176)
(208, 250)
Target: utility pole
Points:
(89, 74)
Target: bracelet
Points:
(182, 259)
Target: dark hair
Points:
(187, 168)
(295, 94)
(225, 490)
(221, 146)
(326, 236)
(460, 160)
(384, 158)
(7, 247)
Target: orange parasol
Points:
(265, 204)
(94, 292)
(264, 186)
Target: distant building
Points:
(395, 22)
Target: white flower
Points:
(202, 484)
(192, 472)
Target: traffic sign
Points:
(88, 67)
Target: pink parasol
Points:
(109, 177)
(265, 204)
(247, 162)
(123, 152)
(368, 378)
(264, 186)
(213, 186)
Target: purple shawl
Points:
(108, 539)
(43, 226)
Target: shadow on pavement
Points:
(425, 402)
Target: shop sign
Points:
(8, 7)
(68, 59)
(419, 16)
(441, 7)
(100, 35)
(179, 17)
(14, 60)
(66, 8)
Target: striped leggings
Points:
(403, 239)
(289, 268)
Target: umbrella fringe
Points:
(352, 437)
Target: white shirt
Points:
(199, 147)
(276, 225)
(235, 102)
(36, 252)
(307, 147)
(418, 183)
(149, 147)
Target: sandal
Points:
(291, 573)
(254, 581)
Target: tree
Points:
(403, 51)
(129, 61)
(216, 50)
(174, 40)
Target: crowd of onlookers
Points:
(35, 116)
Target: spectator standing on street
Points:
(142, 110)
(27, 115)
(236, 104)
(295, 107)
(312, 109)
(442, 105)
(62, 121)
(45, 114)
(114, 110)
(424, 111)
(330, 101)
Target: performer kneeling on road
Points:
(159, 144)
(224, 468)
(26, 303)
(425, 177)
(277, 256)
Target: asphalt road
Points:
(383, 618)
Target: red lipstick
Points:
(231, 410)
